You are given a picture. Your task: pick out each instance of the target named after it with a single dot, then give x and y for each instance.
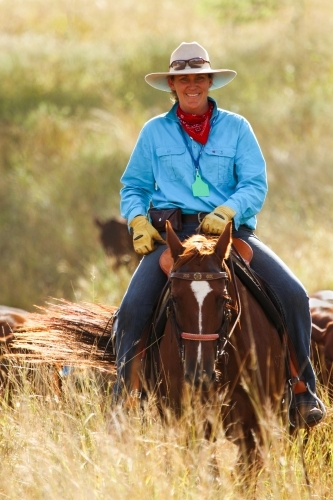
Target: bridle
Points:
(223, 333)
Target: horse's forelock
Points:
(196, 245)
(200, 244)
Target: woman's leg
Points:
(138, 305)
(289, 296)
(136, 310)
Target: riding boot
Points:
(306, 410)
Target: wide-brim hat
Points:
(185, 52)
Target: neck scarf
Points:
(197, 126)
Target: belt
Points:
(193, 218)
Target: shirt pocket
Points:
(171, 162)
(218, 166)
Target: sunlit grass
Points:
(70, 444)
(72, 102)
(73, 99)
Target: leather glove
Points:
(215, 222)
(144, 235)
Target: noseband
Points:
(221, 335)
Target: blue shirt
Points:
(161, 170)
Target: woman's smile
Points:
(192, 91)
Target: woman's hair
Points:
(173, 94)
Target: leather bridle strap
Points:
(196, 276)
(199, 337)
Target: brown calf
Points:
(321, 307)
(10, 318)
(117, 241)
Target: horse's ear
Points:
(98, 222)
(223, 245)
(173, 241)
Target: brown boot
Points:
(309, 411)
(309, 415)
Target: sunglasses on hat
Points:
(195, 62)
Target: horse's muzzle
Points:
(200, 381)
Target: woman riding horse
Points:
(200, 166)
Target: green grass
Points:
(72, 102)
(73, 99)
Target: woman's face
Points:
(192, 91)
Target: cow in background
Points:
(117, 242)
(321, 307)
(10, 319)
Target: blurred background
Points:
(73, 100)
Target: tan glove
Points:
(144, 235)
(215, 222)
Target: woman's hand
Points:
(215, 222)
(144, 235)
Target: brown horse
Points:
(212, 342)
(217, 342)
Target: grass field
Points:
(72, 102)
(71, 446)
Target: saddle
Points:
(241, 256)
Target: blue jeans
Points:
(148, 280)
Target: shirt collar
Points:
(172, 114)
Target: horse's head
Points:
(199, 300)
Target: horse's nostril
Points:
(198, 383)
(193, 380)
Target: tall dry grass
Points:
(70, 446)
(72, 102)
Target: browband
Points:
(196, 276)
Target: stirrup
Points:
(319, 401)
(292, 404)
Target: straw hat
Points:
(184, 54)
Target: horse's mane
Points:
(197, 245)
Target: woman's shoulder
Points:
(156, 118)
(157, 122)
(232, 115)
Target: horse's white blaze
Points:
(199, 353)
(200, 289)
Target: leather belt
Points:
(193, 218)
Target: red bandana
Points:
(197, 126)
